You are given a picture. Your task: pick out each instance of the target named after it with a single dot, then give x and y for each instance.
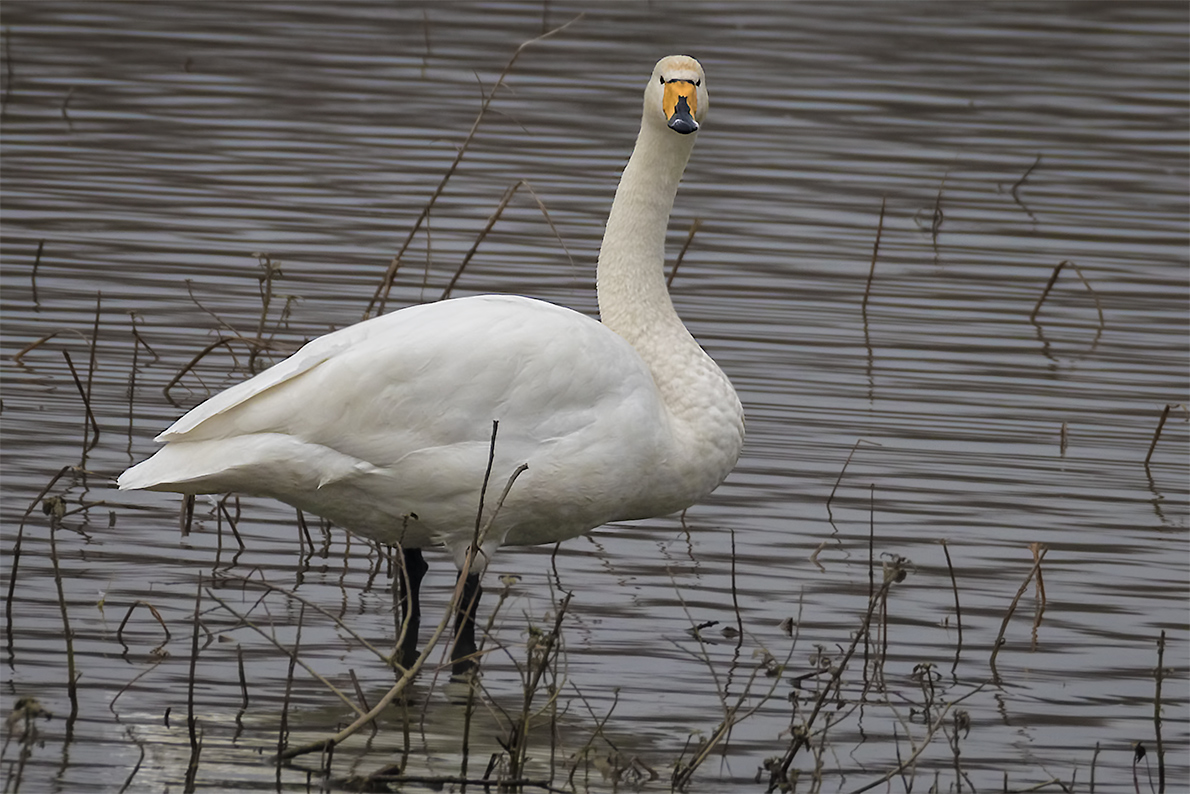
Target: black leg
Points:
(415, 568)
(465, 628)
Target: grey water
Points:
(155, 154)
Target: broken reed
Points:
(380, 296)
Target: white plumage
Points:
(384, 427)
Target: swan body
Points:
(385, 427)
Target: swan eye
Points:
(697, 83)
(661, 79)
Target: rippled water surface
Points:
(154, 155)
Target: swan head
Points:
(677, 94)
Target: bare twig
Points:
(152, 610)
(191, 719)
(1159, 675)
(843, 470)
(925, 742)
(381, 294)
(958, 611)
(1050, 285)
(1012, 607)
(1017, 185)
(875, 253)
(67, 633)
(495, 216)
(694, 227)
(91, 423)
(36, 259)
(1157, 432)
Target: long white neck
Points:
(634, 302)
(633, 298)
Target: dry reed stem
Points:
(438, 782)
(1035, 548)
(65, 104)
(94, 346)
(1012, 607)
(283, 731)
(875, 253)
(1050, 285)
(495, 216)
(843, 470)
(694, 227)
(1159, 674)
(380, 297)
(152, 610)
(243, 678)
(91, 423)
(683, 773)
(36, 263)
(16, 550)
(191, 720)
(67, 634)
(270, 269)
(20, 354)
(1157, 432)
(518, 746)
(382, 656)
(920, 748)
(408, 676)
(223, 340)
(293, 655)
(135, 769)
(801, 738)
(1017, 185)
(958, 610)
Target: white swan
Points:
(384, 427)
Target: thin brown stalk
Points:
(875, 253)
(283, 732)
(20, 354)
(94, 346)
(243, 677)
(694, 227)
(1159, 674)
(153, 611)
(36, 262)
(1157, 432)
(920, 748)
(495, 216)
(191, 719)
(92, 424)
(1012, 607)
(780, 770)
(68, 635)
(519, 746)
(380, 297)
(231, 522)
(292, 653)
(843, 470)
(1050, 285)
(958, 610)
(221, 341)
(16, 550)
(1017, 186)
(65, 104)
(307, 603)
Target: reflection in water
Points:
(152, 152)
